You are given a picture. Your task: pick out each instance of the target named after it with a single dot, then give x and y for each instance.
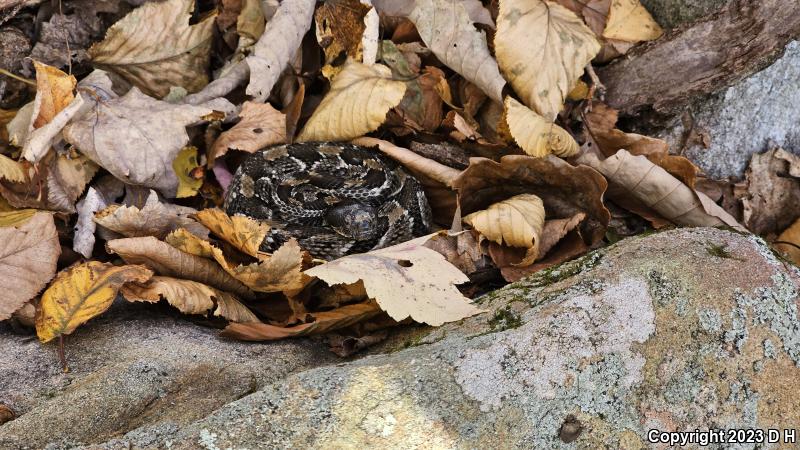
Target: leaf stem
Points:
(17, 77)
(61, 355)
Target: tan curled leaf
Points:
(260, 126)
(54, 91)
(788, 242)
(277, 46)
(282, 271)
(28, 255)
(83, 239)
(189, 297)
(629, 21)
(190, 243)
(357, 103)
(242, 232)
(168, 261)
(155, 47)
(407, 280)
(39, 141)
(447, 29)
(535, 135)
(657, 189)
(136, 138)
(153, 219)
(323, 322)
(80, 293)
(516, 222)
(67, 179)
(542, 49)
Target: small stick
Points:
(61, 355)
(17, 77)
(439, 172)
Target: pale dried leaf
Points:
(407, 280)
(629, 21)
(67, 178)
(535, 135)
(28, 255)
(280, 272)
(154, 219)
(357, 103)
(447, 29)
(154, 47)
(83, 240)
(260, 126)
(39, 141)
(542, 49)
(11, 170)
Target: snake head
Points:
(353, 220)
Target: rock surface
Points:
(673, 13)
(683, 329)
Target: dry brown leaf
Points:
(261, 126)
(28, 255)
(156, 129)
(407, 280)
(242, 232)
(788, 242)
(659, 190)
(281, 272)
(190, 243)
(571, 246)
(67, 178)
(542, 49)
(154, 219)
(555, 230)
(323, 322)
(340, 28)
(154, 47)
(189, 297)
(773, 191)
(447, 29)
(535, 135)
(54, 91)
(277, 46)
(357, 103)
(11, 170)
(461, 249)
(168, 261)
(515, 222)
(629, 21)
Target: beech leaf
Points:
(535, 135)
(153, 219)
(242, 232)
(260, 126)
(629, 21)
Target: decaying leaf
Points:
(187, 168)
(83, 240)
(629, 21)
(461, 249)
(260, 126)
(447, 29)
(154, 47)
(168, 261)
(242, 232)
(11, 170)
(190, 243)
(557, 46)
(788, 242)
(156, 129)
(280, 272)
(659, 190)
(54, 91)
(154, 219)
(357, 103)
(515, 222)
(340, 27)
(407, 280)
(322, 322)
(80, 293)
(189, 297)
(28, 255)
(534, 134)
(773, 191)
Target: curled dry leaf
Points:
(154, 219)
(168, 261)
(277, 46)
(322, 322)
(190, 243)
(260, 126)
(535, 135)
(407, 280)
(242, 232)
(340, 28)
(156, 129)
(773, 191)
(357, 103)
(54, 91)
(629, 21)
(281, 272)
(6, 414)
(83, 240)
(80, 293)
(189, 297)
(28, 255)
(461, 249)
(12, 170)
(515, 222)
(788, 242)
(557, 47)
(154, 47)
(447, 29)
(657, 189)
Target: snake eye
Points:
(353, 220)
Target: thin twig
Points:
(61, 355)
(17, 77)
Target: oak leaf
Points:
(154, 47)
(557, 46)
(80, 293)
(29, 252)
(773, 191)
(260, 126)
(535, 135)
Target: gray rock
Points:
(679, 330)
(672, 13)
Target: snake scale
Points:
(335, 199)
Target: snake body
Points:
(334, 198)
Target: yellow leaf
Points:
(629, 21)
(186, 166)
(789, 242)
(282, 271)
(407, 280)
(80, 293)
(187, 242)
(359, 99)
(261, 126)
(242, 232)
(154, 47)
(11, 170)
(53, 93)
(516, 222)
(542, 49)
(535, 135)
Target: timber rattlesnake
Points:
(334, 198)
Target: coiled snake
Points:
(334, 198)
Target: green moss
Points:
(718, 251)
(563, 271)
(504, 319)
